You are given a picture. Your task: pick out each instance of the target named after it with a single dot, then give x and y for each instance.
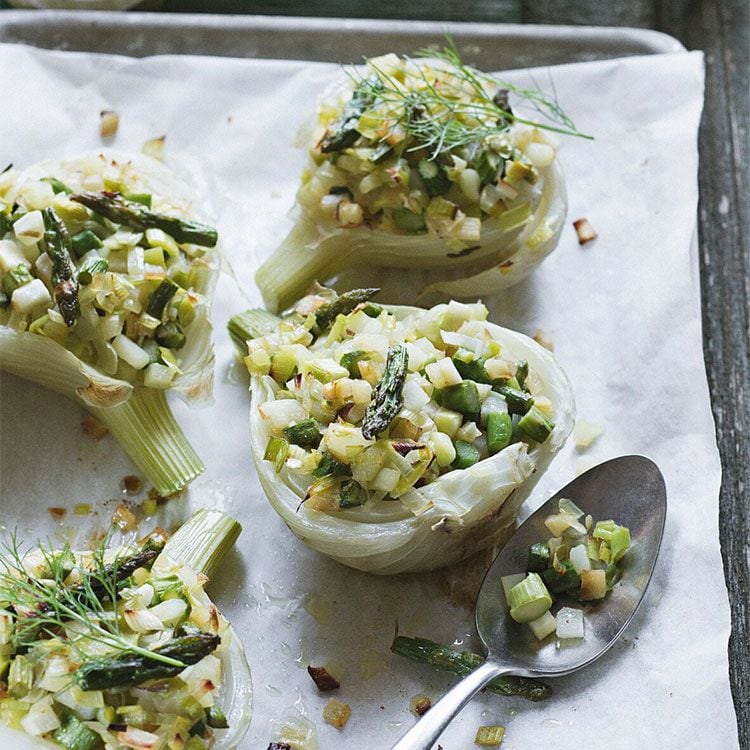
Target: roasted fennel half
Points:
(121, 647)
(106, 276)
(424, 163)
(396, 439)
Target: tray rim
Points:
(635, 40)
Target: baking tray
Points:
(325, 39)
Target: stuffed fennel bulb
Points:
(423, 163)
(398, 439)
(121, 647)
(106, 282)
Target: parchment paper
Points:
(623, 313)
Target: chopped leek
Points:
(529, 599)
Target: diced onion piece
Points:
(282, 412)
(41, 718)
(570, 623)
(470, 184)
(349, 214)
(443, 373)
(585, 231)
(510, 581)
(566, 505)
(29, 228)
(36, 195)
(498, 368)
(386, 480)
(447, 421)
(593, 585)
(344, 442)
(414, 396)
(142, 620)
(579, 558)
(139, 739)
(540, 154)
(31, 298)
(11, 256)
(468, 432)
(585, 433)
(170, 611)
(543, 626)
(130, 352)
(443, 448)
(558, 523)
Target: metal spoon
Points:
(628, 489)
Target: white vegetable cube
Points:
(170, 611)
(540, 154)
(282, 412)
(443, 373)
(41, 718)
(579, 558)
(543, 626)
(510, 581)
(570, 623)
(414, 397)
(11, 255)
(443, 448)
(31, 298)
(43, 267)
(158, 376)
(130, 352)
(29, 229)
(498, 368)
(585, 433)
(37, 194)
(386, 480)
(447, 421)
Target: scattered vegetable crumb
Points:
(279, 746)
(132, 484)
(82, 509)
(93, 427)
(490, 736)
(57, 512)
(585, 433)
(585, 231)
(109, 123)
(124, 519)
(149, 506)
(155, 147)
(323, 680)
(337, 713)
(420, 705)
(543, 339)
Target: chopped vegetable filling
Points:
(370, 405)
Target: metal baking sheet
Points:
(500, 46)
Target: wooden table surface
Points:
(722, 29)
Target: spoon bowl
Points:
(629, 490)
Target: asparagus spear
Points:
(461, 663)
(387, 398)
(160, 297)
(64, 280)
(131, 668)
(343, 133)
(123, 568)
(342, 305)
(136, 216)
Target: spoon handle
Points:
(424, 734)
